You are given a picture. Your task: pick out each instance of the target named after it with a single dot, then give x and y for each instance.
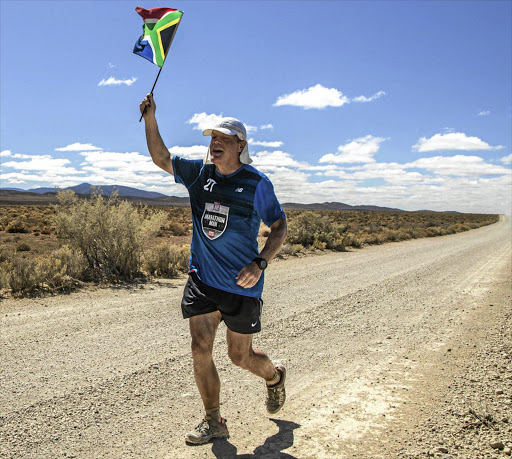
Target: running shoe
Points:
(276, 394)
(206, 430)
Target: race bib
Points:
(214, 220)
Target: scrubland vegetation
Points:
(108, 240)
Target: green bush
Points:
(289, 249)
(5, 274)
(73, 261)
(312, 229)
(5, 254)
(48, 273)
(176, 228)
(166, 260)
(19, 225)
(109, 233)
(23, 247)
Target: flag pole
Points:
(154, 84)
(165, 58)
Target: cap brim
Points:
(223, 130)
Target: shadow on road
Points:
(271, 449)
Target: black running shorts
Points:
(241, 313)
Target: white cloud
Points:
(484, 113)
(55, 180)
(79, 147)
(5, 153)
(377, 95)
(193, 152)
(266, 126)
(452, 141)
(115, 82)
(131, 161)
(360, 150)
(275, 144)
(458, 165)
(390, 173)
(506, 159)
(22, 156)
(314, 97)
(272, 160)
(43, 163)
(204, 121)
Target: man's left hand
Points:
(248, 275)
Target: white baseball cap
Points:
(232, 126)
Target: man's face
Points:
(224, 148)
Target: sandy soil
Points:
(399, 350)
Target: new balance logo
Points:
(239, 190)
(209, 185)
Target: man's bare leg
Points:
(202, 330)
(242, 354)
(257, 362)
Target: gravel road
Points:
(399, 350)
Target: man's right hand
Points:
(149, 105)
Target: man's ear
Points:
(242, 145)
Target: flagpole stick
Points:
(154, 84)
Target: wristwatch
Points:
(261, 262)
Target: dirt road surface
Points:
(399, 350)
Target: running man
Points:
(228, 198)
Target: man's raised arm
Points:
(157, 149)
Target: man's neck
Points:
(228, 169)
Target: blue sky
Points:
(389, 103)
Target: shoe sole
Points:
(202, 441)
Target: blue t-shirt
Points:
(226, 215)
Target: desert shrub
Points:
(23, 276)
(108, 232)
(73, 261)
(17, 225)
(5, 276)
(312, 229)
(167, 260)
(60, 270)
(289, 249)
(23, 247)
(350, 240)
(319, 245)
(395, 235)
(176, 228)
(5, 254)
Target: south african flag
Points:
(160, 25)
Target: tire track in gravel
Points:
(107, 372)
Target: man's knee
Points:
(202, 331)
(238, 357)
(201, 347)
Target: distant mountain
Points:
(107, 190)
(337, 206)
(151, 198)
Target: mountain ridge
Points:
(48, 195)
